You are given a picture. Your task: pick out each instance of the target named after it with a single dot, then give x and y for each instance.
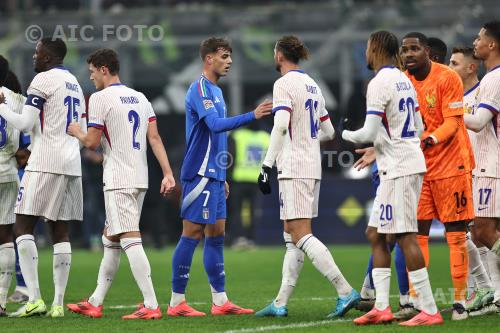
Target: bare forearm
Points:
(161, 155)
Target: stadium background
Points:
(335, 31)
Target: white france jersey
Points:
(58, 96)
(392, 96)
(9, 137)
(124, 115)
(487, 146)
(470, 108)
(297, 93)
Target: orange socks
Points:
(423, 243)
(459, 263)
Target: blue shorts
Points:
(203, 200)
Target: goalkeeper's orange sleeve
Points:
(447, 129)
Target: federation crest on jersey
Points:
(208, 104)
(206, 213)
(431, 100)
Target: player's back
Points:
(391, 96)
(9, 137)
(300, 156)
(487, 143)
(124, 115)
(440, 95)
(59, 97)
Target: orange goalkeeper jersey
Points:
(440, 96)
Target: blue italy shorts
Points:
(203, 200)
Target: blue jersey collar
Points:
(471, 89)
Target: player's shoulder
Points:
(445, 74)
(491, 78)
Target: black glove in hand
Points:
(264, 180)
(427, 143)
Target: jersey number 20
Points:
(408, 106)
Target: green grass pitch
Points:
(252, 280)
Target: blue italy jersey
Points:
(206, 150)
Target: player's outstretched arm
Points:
(419, 124)
(90, 140)
(477, 121)
(218, 124)
(24, 121)
(156, 143)
(366, 134)
(327, 132)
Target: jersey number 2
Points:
(133, 118)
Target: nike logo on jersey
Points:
(482, 208)
(460, 211)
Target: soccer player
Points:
(437, 53)
(20, 294)
(9, 144)
(486, 124)
(203, 176)
(52, 185)
(466, 65)
(301, 121)
(437, 50)
(128, 122)
(393, 123)
(447, 187)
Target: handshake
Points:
(264, 180)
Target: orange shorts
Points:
(448, 199)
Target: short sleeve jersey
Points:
(58, 96)
(124, 115)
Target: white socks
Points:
(218, 298)
(7, 269)
(483, 254)
(323, 261)
(494, 266)
(177, 299)
(476, 269)
(109, 266)
(28, 260)
(139, 264)
(61, 267)
(366, 290)
(422, 287)
(382, 282)
(292, 265)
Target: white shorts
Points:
(8, 195)
(53, 196)
(395, 205)
(123, 210)
(298, 198)
(486, 196)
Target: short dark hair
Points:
(107, 58)
(493, 30)
(56, 47)
(438, 49)
(292, 48)
(12, 83)
(4, 70)
(467, 51)
(212, 45)
(420, 36)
